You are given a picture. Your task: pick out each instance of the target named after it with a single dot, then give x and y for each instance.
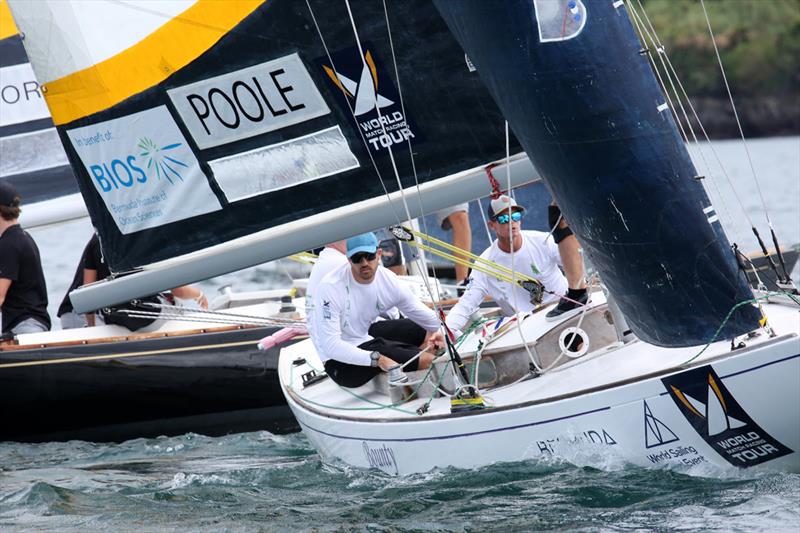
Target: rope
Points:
(730, 313)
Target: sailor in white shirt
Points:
(330, 258)
(535, 254)
(347, 302)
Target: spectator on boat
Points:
(355, 348)
(93, 267)
(535, 253)
(66, 314)
(23, 291)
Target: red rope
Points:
(496, 191)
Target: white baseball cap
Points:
(501, 203)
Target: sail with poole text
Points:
(192, 123)
(584, 103)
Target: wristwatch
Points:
(374, 356)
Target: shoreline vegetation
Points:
(759, 43)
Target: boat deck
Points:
(604, 368)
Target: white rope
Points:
(735, 113)
(425, 279)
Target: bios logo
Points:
(152, 160)
(158, 159)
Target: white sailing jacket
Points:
(344, 309)
(537, 257)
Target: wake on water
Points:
(278, 483)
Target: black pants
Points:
(396, 339)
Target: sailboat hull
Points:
(209, 383)
(732, 410)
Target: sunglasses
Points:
(516, 216)
(360, 256)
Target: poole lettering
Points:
(244, 99)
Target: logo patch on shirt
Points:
(326, 310)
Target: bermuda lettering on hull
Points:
(587, 437)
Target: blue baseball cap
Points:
(366, 242)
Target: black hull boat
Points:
(183, 377)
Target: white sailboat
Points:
(664, 375)
(181, 190)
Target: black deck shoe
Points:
(568, 308)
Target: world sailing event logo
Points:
(144, 170)
(366, 91)
(719, 419)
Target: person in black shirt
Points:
(23, 292)
(94, 267)
(70, 319)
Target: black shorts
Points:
(390, 343)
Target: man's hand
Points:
(385, 363)
(437, 339)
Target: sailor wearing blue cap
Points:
(348, 301)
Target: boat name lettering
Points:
(248, 102)
(587, 437)
(382, 458)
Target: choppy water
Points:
(259, 481)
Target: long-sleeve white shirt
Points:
(537, 257)
(329, 260)
(344, 309)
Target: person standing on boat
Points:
(23, 291)
(456, 218)
(347, 302)
(534, 253)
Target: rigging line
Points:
(672, 73)
(223, 315)
(410, 150)
(485, 222)
(785, 278)
(425, 279)
(513, 269)
(735, 113)
(663, 85)
(352, 111)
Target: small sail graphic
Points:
(656, 432)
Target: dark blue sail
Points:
(581, 97)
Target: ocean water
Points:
(263, 482)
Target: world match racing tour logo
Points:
(719, 419)
(373, 100)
